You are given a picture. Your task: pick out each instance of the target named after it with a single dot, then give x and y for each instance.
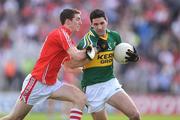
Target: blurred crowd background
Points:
(152, 26)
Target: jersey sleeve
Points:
(84, 42)
(118, 37)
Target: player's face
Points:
(76, 22)
(99, 25)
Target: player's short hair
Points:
(68, 14)
(97, 13)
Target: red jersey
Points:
(52, 55)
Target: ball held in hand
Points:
(120, 52)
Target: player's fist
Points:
(90, 52)
(132, 55)
(102, 45)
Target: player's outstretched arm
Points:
(74, 62)
(76, 54)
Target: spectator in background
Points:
(175, 87)
(10, 71)
(27, 23)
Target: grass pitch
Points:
(56, 116)
(43, 116)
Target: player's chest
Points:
(111, 43)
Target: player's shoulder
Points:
(90, 34)
(113, 32)
(115, 35)
(86, 40)
(54, 33)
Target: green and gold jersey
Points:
(100, 69)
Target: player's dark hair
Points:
(97, 13)
(68, 14)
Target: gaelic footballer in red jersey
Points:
(48, 64)
(42, 83)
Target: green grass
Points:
(43, 116)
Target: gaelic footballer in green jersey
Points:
(99, 83)
(100, 69)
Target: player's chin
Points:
(78, 28)
(101, 32)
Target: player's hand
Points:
(132, 56)
(102, 45)
(90, 52)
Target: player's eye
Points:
(102, 23)
(78, 18)
(95, 24)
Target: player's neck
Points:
(68, 28)
(104, 36)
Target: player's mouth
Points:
(101, 32)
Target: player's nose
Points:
(99, 26)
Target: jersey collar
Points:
(96, 35)
(94, 32)
(66, 30)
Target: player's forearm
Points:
(76, 54)
(79, 55)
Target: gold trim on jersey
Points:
(87, 38)
(101, 59)
(104, 37)
(90, 33)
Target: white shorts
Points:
(98, 94)
(34, 91)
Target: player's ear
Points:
(106, 20)
(68, 21)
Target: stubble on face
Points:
(76, 22)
